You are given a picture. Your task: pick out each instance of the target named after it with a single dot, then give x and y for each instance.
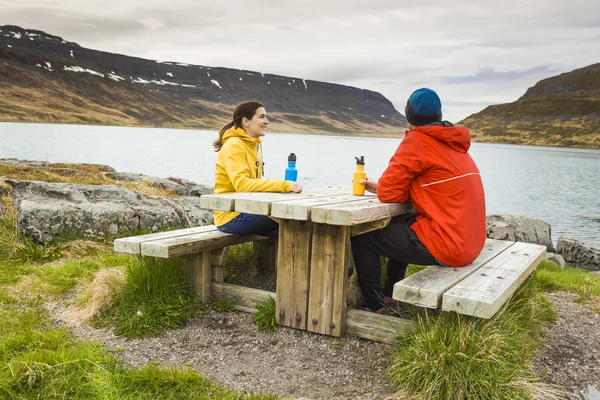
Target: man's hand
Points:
(296, 188)
(370, 186)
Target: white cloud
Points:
(473, 53)
(152, 23)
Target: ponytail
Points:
(218, 143)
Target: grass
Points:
(264, 318)
(223, 306)
(551, 277)
(157, 295)
(40, 361)
(451, 356)
(458, 357)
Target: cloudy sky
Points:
(472, 52)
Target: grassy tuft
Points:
(264, 318)
(157, 296)
(223, 306)
(452, 356)
(550, 276)
(106, 286)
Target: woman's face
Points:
(257, 126)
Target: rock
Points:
(46, 164)
(182, 187)
(48, 210)
(588, 393)
(520, 228)
(556, 259)
(579, 254)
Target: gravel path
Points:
(229, 349)
(570, 355)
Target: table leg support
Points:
(329, 279)
(293, 272)
(201, 267)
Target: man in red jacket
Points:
(433, 170)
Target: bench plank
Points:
(483, 293)
(357, 212)
(426, 287)
(132, 244)
(299, 209)
(196, 243)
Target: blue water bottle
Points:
(291, 173)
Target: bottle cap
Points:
(360, 161)
(292, 157)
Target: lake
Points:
(558, 185)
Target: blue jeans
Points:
(251, 224)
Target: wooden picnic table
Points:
(315, 227)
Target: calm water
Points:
(558, 185)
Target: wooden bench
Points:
(478, 289)
(204, 248)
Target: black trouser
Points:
(400, 244)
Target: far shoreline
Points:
(400, 135)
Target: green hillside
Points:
(560, 111)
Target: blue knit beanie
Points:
(423, 107)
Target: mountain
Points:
(44, 78)
(560, 111)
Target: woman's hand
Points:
(370, 186)
(296, 188)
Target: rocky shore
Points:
(47, 210)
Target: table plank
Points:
(483, 293)
(229, 201)
(132, 245)
(426, 287)
(358, 212)
(299, 209)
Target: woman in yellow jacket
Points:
(240, 169)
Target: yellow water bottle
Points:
(358, 189)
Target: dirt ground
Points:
(229, 349)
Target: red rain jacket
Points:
(432, 169)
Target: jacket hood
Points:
(238, 132)
(456, 137)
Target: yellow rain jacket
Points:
(239, 169)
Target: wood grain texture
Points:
(255, 201)
(132, 244)
(377, 327)
(293, 272)
(483, 293)
(329, 279)
(426, 288)
(196, 243)
(246, 299)
(201, 269)
(299, 209)
(369, 226)
(357, 212)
